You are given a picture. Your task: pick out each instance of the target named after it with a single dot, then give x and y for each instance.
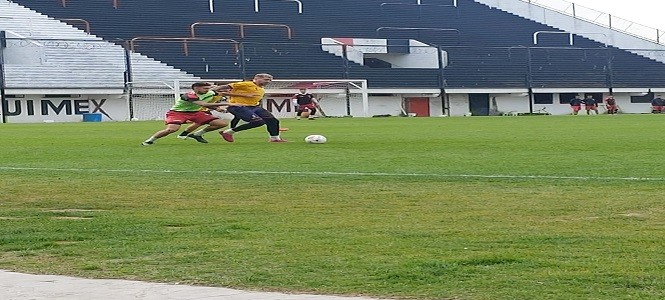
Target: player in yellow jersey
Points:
(249, 95)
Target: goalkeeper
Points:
(305, 104)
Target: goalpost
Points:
(337, 97)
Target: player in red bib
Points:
(590, 104)
(576, 104)
(657, 105)
(305, 104)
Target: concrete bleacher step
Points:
(64, 56)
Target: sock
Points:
(298, 118)
(199, 132)
(275, 137)
(184, 133)
(151, 139)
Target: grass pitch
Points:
(417, 208)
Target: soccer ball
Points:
(315, 139)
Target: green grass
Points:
(384, 209)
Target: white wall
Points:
(23, 52)
(420, 56)
(435, 107)
(623, 100)
(335, 105)
(518, 102)
(511, 102)
(38, 108)
(459, 104)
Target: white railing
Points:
(601, 18)
(256, 5)
(211, 5)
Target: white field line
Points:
(369, 174)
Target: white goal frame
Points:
(149, 100)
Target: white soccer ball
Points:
(315, 139)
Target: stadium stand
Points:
(47, 53)
(491, 48)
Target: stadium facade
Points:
(123, 59)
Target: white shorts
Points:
(222, 115)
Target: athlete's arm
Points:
(210, 105)
(240, 95)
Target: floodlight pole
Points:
(241, 60)
(3, 98)
(442, 82)
(610, 70)
(529, 78)
(345, 60)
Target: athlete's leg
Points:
(234, 122)
(272, 123)
(191, 128)
(246, 114)
(170, 128)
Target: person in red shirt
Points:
(611, 105)
(305, 104)
(657, 105)
(590, 104)
(576, 104)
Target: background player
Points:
(590, 104)
(611, 105)
(305, 104)
(576, 104)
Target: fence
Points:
(62, 63)
(602, 18)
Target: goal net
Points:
(337, 98)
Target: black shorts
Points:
(250, 113)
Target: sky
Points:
(646, 12)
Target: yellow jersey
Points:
(247, 88)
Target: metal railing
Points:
(185, 42)
(419, 2)
(418, 29)
(256, 5)
(601, 18)
(85, 23)
(570, 36)
(115, 3)
(241, 26)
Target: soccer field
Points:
(546, 207)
